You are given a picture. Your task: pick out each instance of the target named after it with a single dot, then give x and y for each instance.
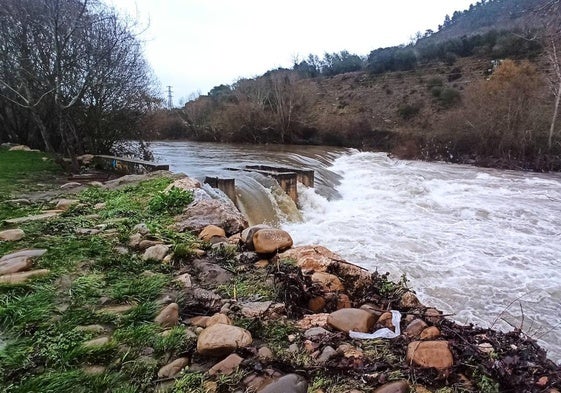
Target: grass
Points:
(44, 349)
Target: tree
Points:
(76, 70)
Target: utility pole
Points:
(170, 98)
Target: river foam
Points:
(480, 243)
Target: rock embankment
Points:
(282, 318)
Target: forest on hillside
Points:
(487, 95)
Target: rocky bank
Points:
(275, 318)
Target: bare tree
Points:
(76, 68)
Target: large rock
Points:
(248, 233)
(15, 265)
(36, 217)
(319, 259)
(202, 213)
(268, 241)
(354, 319)
(221, 339)
(211, 231)
(290, 383)
(430, 354)
(185, 183)
(11, 235)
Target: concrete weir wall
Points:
(227, 186)
(127, 166)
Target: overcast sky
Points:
(194, 45)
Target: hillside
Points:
(436, 99)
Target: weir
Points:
(227, 186)
(127, 166)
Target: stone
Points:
(343, 301)
(87, 231)
(199, 321)
(184, 280)
(350, 351)
(147, 243)
(211, 274)
(118, 309)
(11, 235)
(30, 253)
(155, 253)
(221, 339)
(486, 347)
(65, 204)
(141, 228)
(353, 319)
(329, 282)
(18, 201)
(20, 148)
(261, 264)
(433, 315)
(170, 370)
(247, 258)
(248, 233)
(96, 329)
(15, 265)
(316, 304)
(94, 370)
(430, 333)
(218, 318)
(315, 332)
(226, 366)
(409, 300)
(185, 183)
(255, 309)
(265, 354)
(21, 277)
(36, 217)
(385, 320)
(327, 353)
(211, 231)
(100, 205)
(430, 354)
(312, 320)
(394, 387)
(121, 250)
(313, 259)
(85, 159)
(71, 184)
(290, 383)
(206, 212)
(268, 241)
(169, 316)
(415, 328)
(96, 342)
(134, 240)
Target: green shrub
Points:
(449, 97)
(172, 201)
(407, 111)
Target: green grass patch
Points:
(24, 171)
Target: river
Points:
(482, 244)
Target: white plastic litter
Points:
(381, 333)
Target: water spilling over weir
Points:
(472, 241)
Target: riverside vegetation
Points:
(144, 283)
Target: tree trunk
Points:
(554, 118)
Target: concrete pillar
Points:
(227, 186)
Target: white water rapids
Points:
(482, 244)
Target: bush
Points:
(407, 111)
(172, 201)
(449, 97)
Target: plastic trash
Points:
(381, 333)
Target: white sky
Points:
(194, 45)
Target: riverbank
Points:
(142, 295)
